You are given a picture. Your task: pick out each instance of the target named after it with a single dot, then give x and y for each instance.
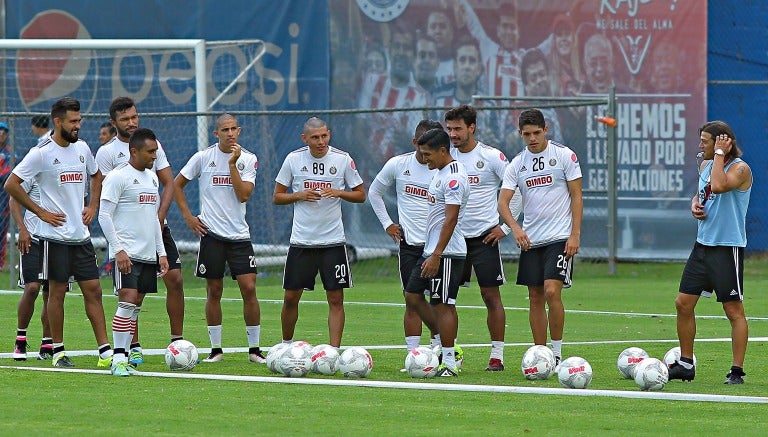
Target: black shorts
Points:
(59, 262)
(486, 261)
(143, 277)
(214, 253)
(303, 264)
(29, 267)
(714, 268)
(407, 258)
(444, 287)
(543, 263)
(174, 259)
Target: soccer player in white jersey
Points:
(485, 166)
(439, 270)
(60, 166)
(227, 176)
(128, 217)
(29, 277)
(548, 176)
(125, 118)
(411, 177)
(320, 177)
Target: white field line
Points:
(432, 386)
(402, 305)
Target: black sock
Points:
(736, 370)
(104, 348)
(216, 351)
(58, 349)
(687, 360)
(254, 350)
(21, 333)
(120, 351)
(176, 338)
(135, 345)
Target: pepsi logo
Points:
(45, 75)
(453, 185)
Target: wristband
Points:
(505, 229)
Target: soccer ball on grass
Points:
(673, 355)
(273, 354)
(574, 372)
(651, 374)
(628, 360)
(325, 360)
(421, 362)
(538, 363)
(295, 360)
(181, 355)
(355, 362)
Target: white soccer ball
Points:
(651, 374)
(325, 360)
(181, 355)
(295, 360)
(273, 356)
(574, 372)
(421, 362)
(628, 360)
(673, 355)
(355, 362)
(538, 363)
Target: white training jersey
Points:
(542, 179)
(62, 174)
(135, 193)
(411, 179)
(220, 209)
(318, 223)
(116, 152)
(449, 186)
(31, 220)
(485, 169)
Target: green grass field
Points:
(605, 315)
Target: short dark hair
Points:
(120, 104)
(139, 137)
(463, 112)
(109, 126)
(531, 57)
(60, 107)
(531, 117)
(718, 127)
(425, 125)
(41, 121)
(435, 139)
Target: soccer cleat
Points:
(46, 353)
(494, 365)
(121, 369)
(62, 360)
(735, 376)
(104, 362)
(136, 357)
(444, 371)
(257, 357)
(458, 355)
(215, 357)
(20, 350)
(677, 371)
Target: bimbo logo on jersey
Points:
(539, 181)
(316, 185)
(416, 191)
(221, 180)
(148, 198)
(70, 177)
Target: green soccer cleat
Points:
(104, 362)
(62, 360)
(121, 369)
(444, 371)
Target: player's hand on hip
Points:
(53, 218)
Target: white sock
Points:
(685, 365)
(497, 350)
(412, 342)
(435, 341)
(557, 348)
(253, 333)
(449, 357)
(122, 325)
(214, 333)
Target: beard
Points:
(69, 136)
(122, 133)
